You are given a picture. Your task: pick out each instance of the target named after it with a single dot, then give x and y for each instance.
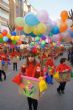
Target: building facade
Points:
(4, 14)
(27, 7)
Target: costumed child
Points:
(32, 70)
(50, 65)
(15, 60)
(61, 68)
(2, 71)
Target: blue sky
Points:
(54, 7)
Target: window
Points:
(6, 1)
(4, 14)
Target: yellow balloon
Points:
(16, 38)
(1, 35)
(8, 35)
(12, 37)
(27, 29)
(42, 28)
(35, 31)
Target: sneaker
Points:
(62, 92)
(0, 80)
(4, 78)
(59, 92)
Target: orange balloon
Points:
(64, 15)
(63, 27)
(1, 35)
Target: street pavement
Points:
(10, 99)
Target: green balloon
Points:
(37, 38)
(43, 42)
(32, 43)
(1, 40)
(14, 42)
(19, 21)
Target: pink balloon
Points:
(43, 16)
(47, 41)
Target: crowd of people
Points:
(35, 66)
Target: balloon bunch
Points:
(33, 24)
(5, 37)
(39, 24)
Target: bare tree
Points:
(11, 28)
(70, 16)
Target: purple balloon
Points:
(43, 16)
(9, 40)
(43, 37)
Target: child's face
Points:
(38, 69)
(66, 62)
(31, 58)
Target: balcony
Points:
(4, 6)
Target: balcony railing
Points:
(5, 6)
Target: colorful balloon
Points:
(55, 30)
(8, 35)
(31, 19)
(13, 33)
(37, 38)
(27, 29)
(5, 39)
(42, 28)
(43, 16)
(63, 27)
(4, 32)
(16, 38)
(1, 35)
(43, 37)
(64, 15)
(1, 40)
(19, 22)
(43, 42)
(35, 30)
(12, 37)
(14, 42)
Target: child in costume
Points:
(61, 68)
(32, 70)
(2, 71)
(50, 65)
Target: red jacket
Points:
(50, 63)
(31, 70)
(62, 68)
(43, 56)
